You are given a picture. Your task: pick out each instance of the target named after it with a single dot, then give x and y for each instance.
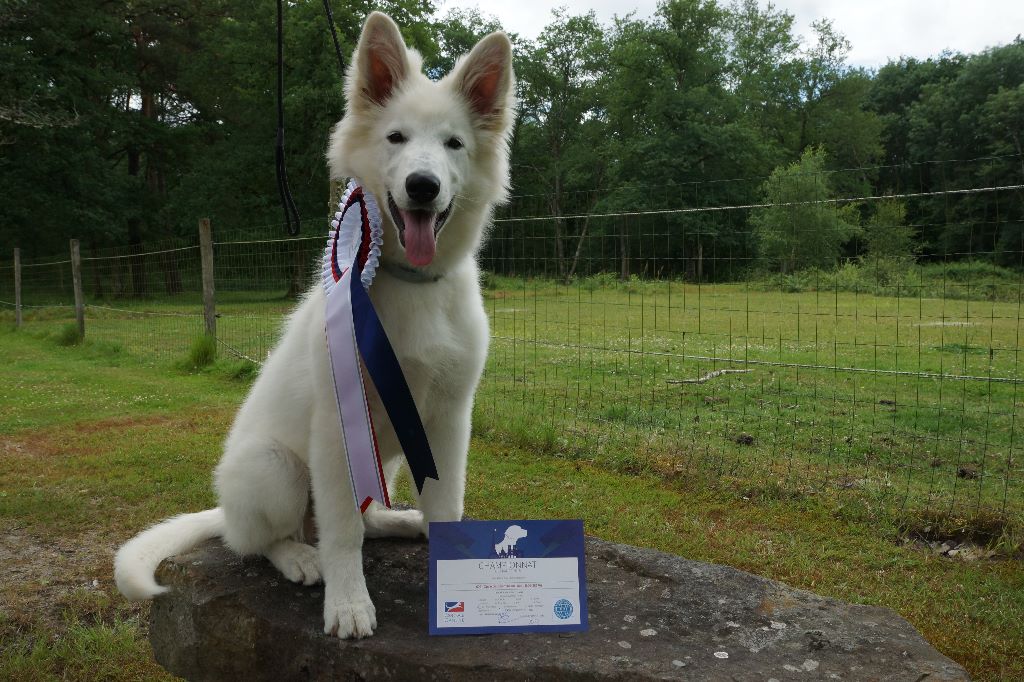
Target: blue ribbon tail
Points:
(385, 372)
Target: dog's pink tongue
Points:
(419, 236)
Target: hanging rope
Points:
(334, 36)
(291, 213)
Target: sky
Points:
(879, 30)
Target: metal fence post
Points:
(206, 255)
(76, 274)
(17, 288)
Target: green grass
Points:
(886, 397)
(81, 650)
(576, 418)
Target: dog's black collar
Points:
(409, 274)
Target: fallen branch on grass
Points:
(709, 376)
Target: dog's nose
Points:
(422, 187)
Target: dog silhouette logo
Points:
(508, 546)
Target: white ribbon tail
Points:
(364, 465)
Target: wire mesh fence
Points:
(652, 330)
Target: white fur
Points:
(286, 439)
(138, 558)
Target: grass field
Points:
(861, 419)
(911, 403)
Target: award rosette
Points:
(354, 333)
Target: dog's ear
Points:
(381, 62)
(484, 77)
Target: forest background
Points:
(124, 121)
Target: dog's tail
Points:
(135, 563)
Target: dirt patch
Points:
(55, 441)
(953, 549)
(40, 444)
(120, 423)
(993, 537)
(47, 576)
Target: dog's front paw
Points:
(298, 562)
(349, 618)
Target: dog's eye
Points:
(454, 143)
(395, 137)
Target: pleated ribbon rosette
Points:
(354, 333)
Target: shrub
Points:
(601, 280)
(202, 352)
(68, 335)
(895, 277)
(242, 370)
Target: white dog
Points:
(436, 154)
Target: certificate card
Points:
(507, 576)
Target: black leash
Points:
(291, 213)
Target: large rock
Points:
(652, 616)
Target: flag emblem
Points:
(454, 607)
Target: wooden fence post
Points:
(76, 274)
(17, 288)
(206, 255)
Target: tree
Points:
(456, 34)
(56, 127)
(832, 112)
(887, 237)
(675, 126)
(898, 86)
(963, 130)
(763, 70)
(126, 120)
(561, 120)
(820, 69)
(802, 226)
